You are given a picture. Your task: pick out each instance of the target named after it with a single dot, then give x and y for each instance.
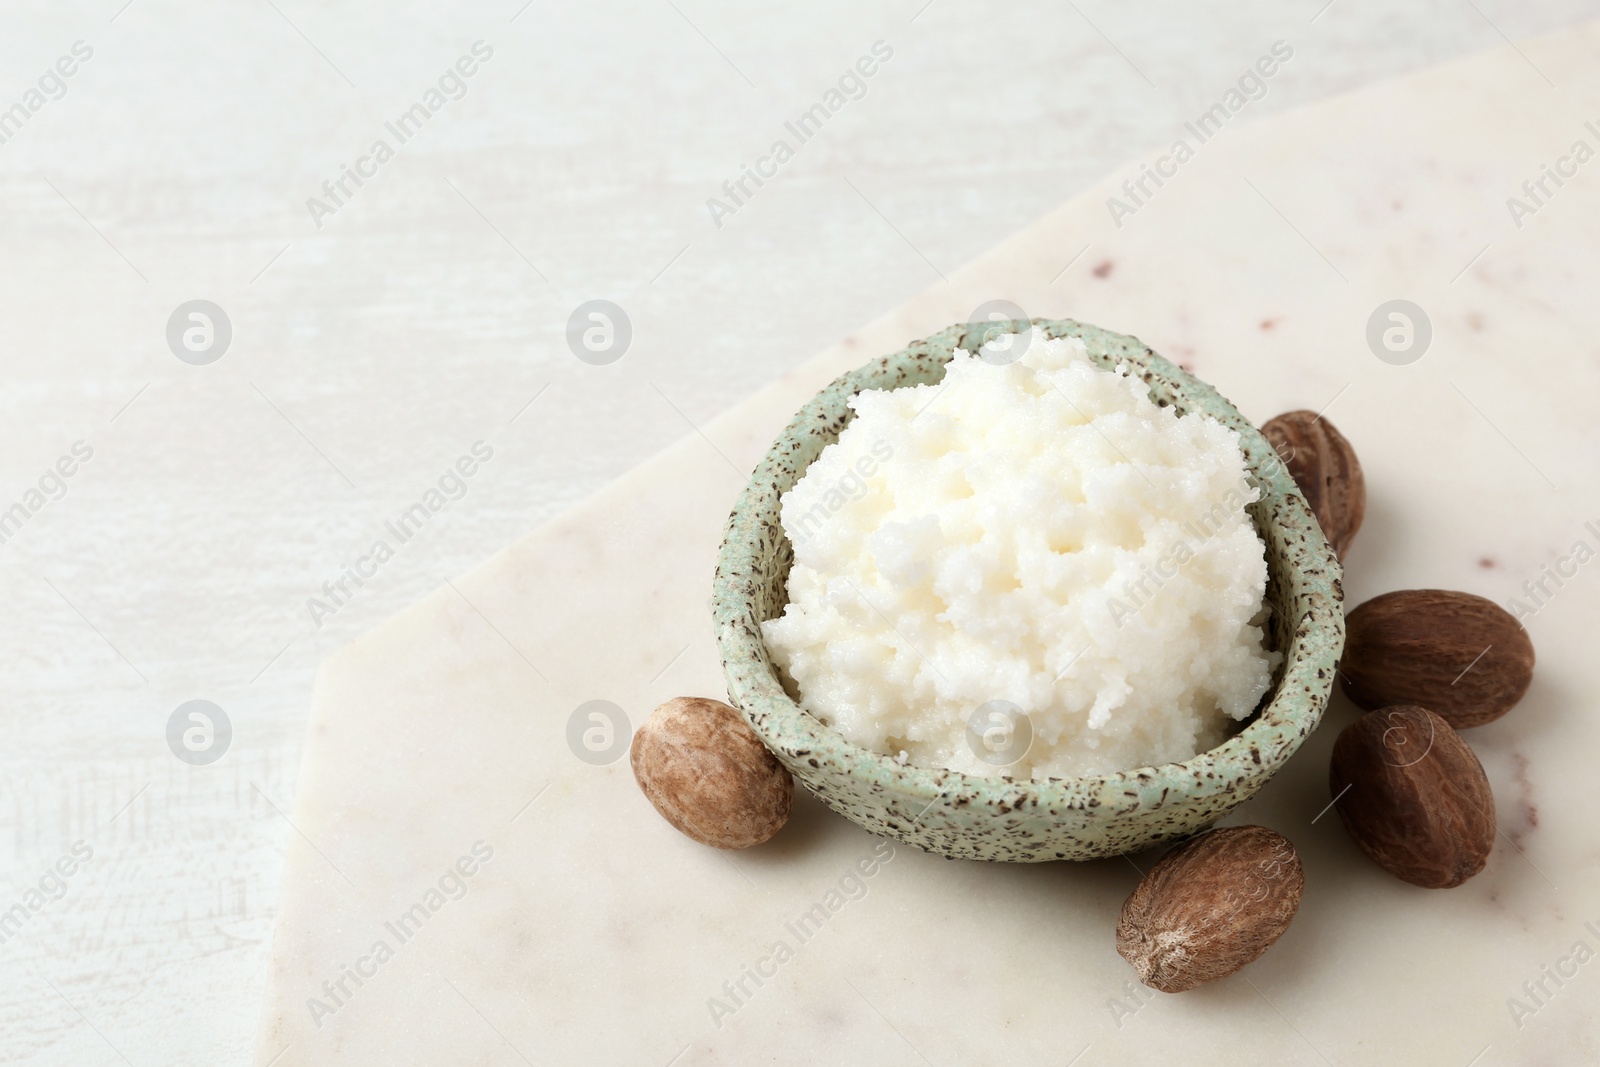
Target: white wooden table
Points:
(209, 502)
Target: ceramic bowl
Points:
(971, 817)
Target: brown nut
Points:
(1210, 906)
(1325, 468)
(1460, 656)
(709, 775)
(1413, 796)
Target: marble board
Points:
(463, 888)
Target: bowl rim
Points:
(1290, 711)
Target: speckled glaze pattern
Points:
(969, 817)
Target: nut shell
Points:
(1325, 468)
(708, 774)
(1413, 796)
(1210, 906)
(1460, 656)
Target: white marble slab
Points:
(594, 933)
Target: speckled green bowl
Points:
(971, 817)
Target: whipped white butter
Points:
(1027, 569)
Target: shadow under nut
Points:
(707, 773)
